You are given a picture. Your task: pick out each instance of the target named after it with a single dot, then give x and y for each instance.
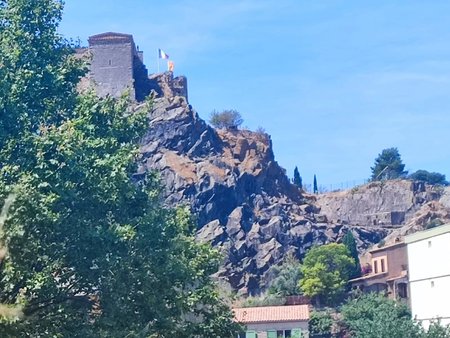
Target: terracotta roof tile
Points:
(270, 314)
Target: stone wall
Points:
(112, 64)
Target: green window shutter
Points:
(271, 334)
(250, 334)
(297, 333)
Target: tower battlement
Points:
(117, 66)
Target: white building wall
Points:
(429, 277)
(262, 328)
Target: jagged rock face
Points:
(244, 201)
(387, 203)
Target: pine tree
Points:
(388, 165)
(350, 243)
(315, 189)
(297, 178)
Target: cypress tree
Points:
(315, 189)
(297, 178)
(350, 244)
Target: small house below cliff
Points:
(273, 321)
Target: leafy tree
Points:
(38, 73)
(388, 165)
(349, 241)
(315, 188)
(228, 119)
(428, 177)
(436, 330)
(287, 277)
(297, 178)
(326, 270)
(375, 316)
(86, 252)
(320, 324)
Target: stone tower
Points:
(117, 65)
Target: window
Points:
(284, 333)
(110, 62)
(402, 290)
(380, 264)
(432, 284)
(429, 244)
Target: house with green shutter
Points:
(273, 321)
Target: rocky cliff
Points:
(245, 204)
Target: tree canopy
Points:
(388, 165)
(428, 177)
(228, 119)
(87, 250)
(349, 241)
(326, 270)
(297, 178)
(375, 316)
(287, 277)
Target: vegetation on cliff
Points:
(86, 251)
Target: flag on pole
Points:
(170, 66)
(162, 54)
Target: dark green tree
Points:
(375, 316)
(436, 330)
(326, 270)
(315, 188)
(320, 324)
(84, 250)
(297, 178)
(349, 241)
(388, 165)
(428, 177)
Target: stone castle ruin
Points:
(117, 65)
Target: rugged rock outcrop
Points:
(386, 203)
(245, 204)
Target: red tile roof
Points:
(271, 314)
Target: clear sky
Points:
(333, 82)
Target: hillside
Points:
(245, 203)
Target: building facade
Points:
(284, 321)
(387, 272)
(429, 274)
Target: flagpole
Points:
(157, 59)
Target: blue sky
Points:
(333, 82)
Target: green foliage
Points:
(428, 177)
(38, 73)
(287, 278)
(297, 178)
(320, 323)
(433, 223)
(375, 316)
(388, 165)
(326, 270)
(436, 330)
(228, 119)
(349, 241)
(315, 188)
(87, 252)
(264, 300)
